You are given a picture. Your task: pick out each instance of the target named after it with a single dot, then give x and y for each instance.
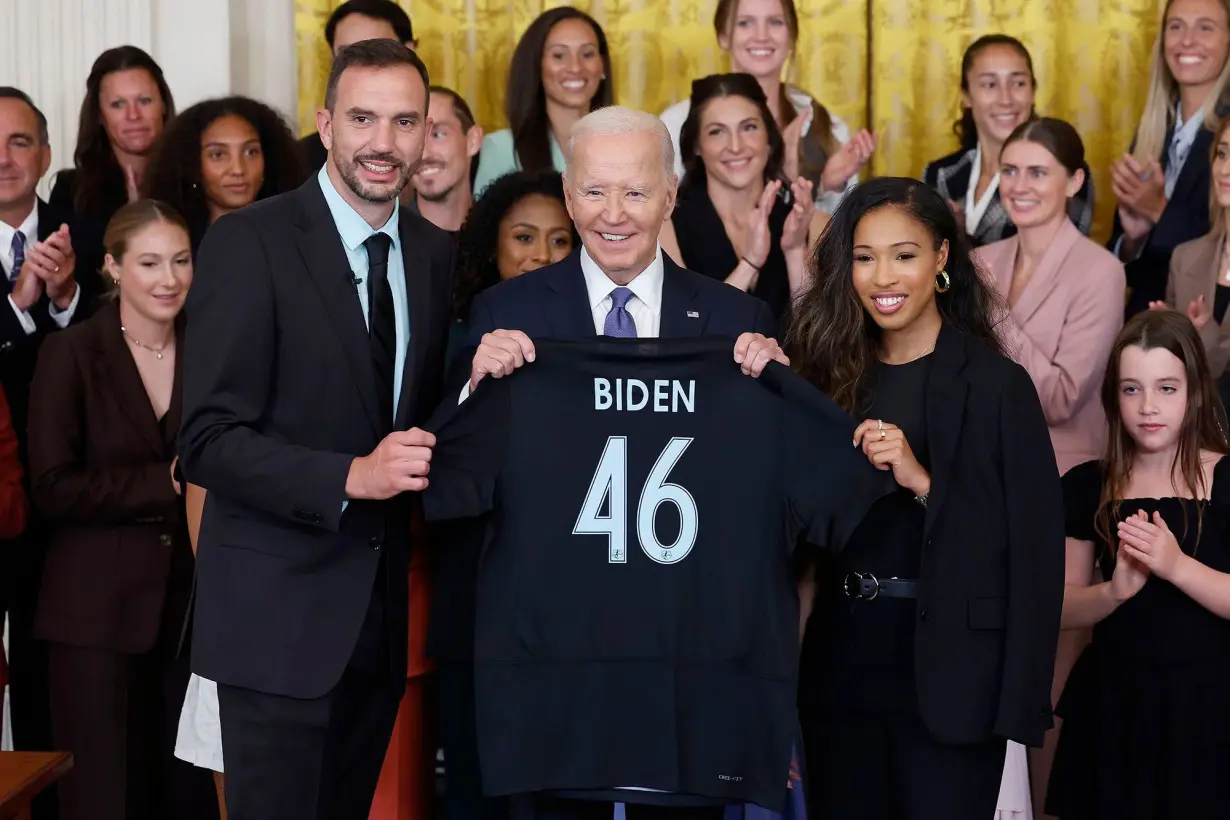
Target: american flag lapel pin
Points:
(693, 314)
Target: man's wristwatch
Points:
(921, 499)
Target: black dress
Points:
(868, 752)
(708, 250)
(1146, 710)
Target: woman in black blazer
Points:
(127, 104)
(932, 636)
(1163, 185)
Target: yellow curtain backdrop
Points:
(1091, 59)
(893, 63)
(657, 48)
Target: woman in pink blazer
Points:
(1064, 294)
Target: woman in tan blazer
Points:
(1064, 296)
(104, 414)
(1199, 281)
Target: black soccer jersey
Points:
(637, 620)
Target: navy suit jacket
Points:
(553, 303)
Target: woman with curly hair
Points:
(519, 224)
(220, 155)
(943, 609)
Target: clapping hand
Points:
(759, 237)
(1141, 191)
(798, 221)
(1130, 575)
(1150, 542)
(54, 262)
(885, 446)
(848, 161)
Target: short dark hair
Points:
(372, 54)
(1056, 136)
(385, 10)
(7, 92)
(464, 115)
(460, 107)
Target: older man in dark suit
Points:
(620, 188)
(316, 335)
(41, 287)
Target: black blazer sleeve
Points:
(228, 356)
(62, 191)
(1035, 512)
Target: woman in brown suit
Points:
(1199, 280)
(104, 414)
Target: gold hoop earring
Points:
(942, 276)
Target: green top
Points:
(497, 158)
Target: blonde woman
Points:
(1199, 281)
(1163, 185)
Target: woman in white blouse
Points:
(760, 36)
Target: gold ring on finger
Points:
(882, 435)
(879, 424)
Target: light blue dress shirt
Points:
(354, 231)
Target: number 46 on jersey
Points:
(610, 485)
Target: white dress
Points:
(199, 740)
(1014, 801)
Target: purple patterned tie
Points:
(19, 255)
(619, 322)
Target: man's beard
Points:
(382, 193)
(440, 195)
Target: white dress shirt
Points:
(1181, 145)
(976, 208)
(645, 304)
(29, 230)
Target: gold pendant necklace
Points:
(157, 351)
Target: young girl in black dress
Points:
(1146, 719)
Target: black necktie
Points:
(381, 324)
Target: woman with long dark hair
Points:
(126, 107)
(220, 155)
(934, 631)
(997, 96)
(738, 218)
(560, 71)
(1146, 729)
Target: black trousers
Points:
(299, 759)
(463, 783)
(865, 764)
(119, 714)
(550, 807)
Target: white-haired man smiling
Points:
(620, 188)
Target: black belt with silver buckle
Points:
(864, 586)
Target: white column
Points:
(47, 48)
(264, 56)
(192, 43)
(207, 48)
